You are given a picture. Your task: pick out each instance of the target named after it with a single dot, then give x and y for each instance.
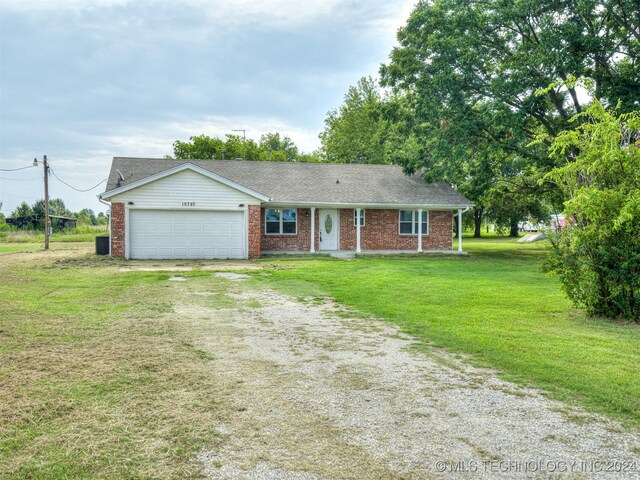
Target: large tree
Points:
(368, 127)
(276, 148)
(354, 132)
(472, 71)
(481, 63)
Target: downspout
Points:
(110, 215)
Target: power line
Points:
(15, 169)
(74, 188)
(20, 179)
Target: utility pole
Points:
(47, 223)
(244, 142)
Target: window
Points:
(280, 221)
(355, 212)
(409, 222)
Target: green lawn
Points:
(18, 247)
(497, 306)
(84, 233)
(97, 378)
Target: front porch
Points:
(347, 230)
(348, 254)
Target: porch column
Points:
(460, 230)
(358, 210)
(420, 230)
(313, 230)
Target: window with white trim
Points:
(280, 221)
(409, 222)
(362, 217)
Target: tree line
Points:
(272, 147)
(86, 216)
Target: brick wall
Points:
(381, 231)
(117, 229)
(254, 231)
(300, 242)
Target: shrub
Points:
(597, 253)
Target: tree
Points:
(508, 206)
(597, 253)
(355, 132)
(56, 207)
(272, 147)
(86, 216)
(202, 147)
(22, 210)
(313, 157)
(471, 71)
(275, 148)
(198, 147)
(458, 55)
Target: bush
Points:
(597, 253)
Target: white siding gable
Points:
(183, 189)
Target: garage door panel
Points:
(177, 253)
(150, 227)
(157, 234)
(165, 227)
(180, 240)
(195, 241)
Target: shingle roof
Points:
(306, 182)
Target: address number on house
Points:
(188, 204)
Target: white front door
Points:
(329, 228)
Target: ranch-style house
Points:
(202, 209)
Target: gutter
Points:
(110, 215)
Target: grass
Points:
(495, 305)
(85, 233)
(97, 378)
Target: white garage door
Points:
(186, 234)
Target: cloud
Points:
(86, 80)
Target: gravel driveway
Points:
(317, 394)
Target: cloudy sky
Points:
(85, 80)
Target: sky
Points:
(83, 81)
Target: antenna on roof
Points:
(120, 178)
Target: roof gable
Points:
(177, 169)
